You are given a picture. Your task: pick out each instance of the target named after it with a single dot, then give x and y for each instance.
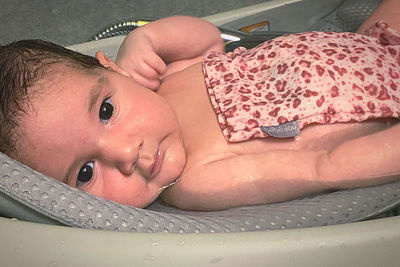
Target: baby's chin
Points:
(154, 192)
(168, 185)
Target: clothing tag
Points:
(287, 129)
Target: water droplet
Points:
(216, 260)
(168, 185)
(52, 264)
(149, 257)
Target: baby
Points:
(297, 115)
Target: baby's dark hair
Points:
(22, 65)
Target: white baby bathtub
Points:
(367, 244)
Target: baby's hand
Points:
(138, 58)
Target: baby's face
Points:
(104, 134)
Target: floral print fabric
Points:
(314, 77)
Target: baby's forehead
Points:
(64, 76)
(66, 69)
(62, 90)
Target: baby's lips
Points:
(149, 164)
(156, 164)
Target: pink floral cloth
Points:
(315, 77)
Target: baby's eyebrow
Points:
(95, 92)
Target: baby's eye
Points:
(106, 110)
(85, 174)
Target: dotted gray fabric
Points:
(348, 17)
(47, 198)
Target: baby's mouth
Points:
(156, 165)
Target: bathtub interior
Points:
(30, 196)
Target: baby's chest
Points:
(202, 132)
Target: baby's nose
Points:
(123, 153)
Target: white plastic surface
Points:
(368, 244)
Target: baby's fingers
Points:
(147, 71)
(156, 63)
(151, 84)
(141, 72)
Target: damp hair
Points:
(22, 65)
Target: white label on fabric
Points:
(287, 129)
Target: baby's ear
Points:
(109, 64)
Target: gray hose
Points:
(232, 38)
(122, 27)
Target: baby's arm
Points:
(280, 175)
(247, 179)
(165, 46)
(364, 161)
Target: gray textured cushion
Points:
(348, 17)
(41, 199)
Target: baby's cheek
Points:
(116, 187)
(175, 160)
